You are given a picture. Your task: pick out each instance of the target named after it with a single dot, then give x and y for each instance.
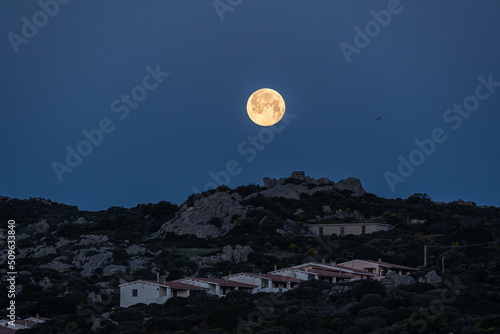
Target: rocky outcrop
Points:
(462, 202)
(135, 249)
(396, 279)
(309, 186)
(433, 278)
(237, 254)
(42, 227)
(93, 239)
(347, 214)
(269, 183)
(90, 263)
(45, 283)
(196, 220)
(57, 265)
(289, 191)
(114, 268)
(37, 252)
(351, 184)
(291, 228)
(137, 264)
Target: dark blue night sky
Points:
(116, 103)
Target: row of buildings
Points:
(10, 327)
(280, 280)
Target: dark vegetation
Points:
(466, 236)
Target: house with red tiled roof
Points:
(218, 286)
(379, 267)
(323, 271)
(267, 282)
(147, 292)
(6, 326)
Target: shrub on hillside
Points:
(363, 288)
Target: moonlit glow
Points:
(265, 107)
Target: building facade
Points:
(147, 292)
(347, 228)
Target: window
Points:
(363, 229)
(134, 292)
(320, 231)
(342, 231)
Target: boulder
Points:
(401, 280)
(91, 239)
(114, 268)
(59, 266)
(352, 184)
(42, 227)
(89, 264)
(135, 249)
(291, 228)
(45, 283)
(269, 183)
(37, 252)
(299, 175)
(346, 214)
(433, 278)
(324, 180)
(137, 264)
(281, 191)
(237, 254)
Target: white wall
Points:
(146, 293)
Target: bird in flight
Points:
(380, 117)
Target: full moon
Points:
(265, 107)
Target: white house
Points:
(218, 286)
(267, 282)
(379, 267)
(347, 228)
(147, 292)
(333, 273)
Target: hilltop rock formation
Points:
(310, 186)
(214, 215)
(352, 184)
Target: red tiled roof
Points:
(385, 264)
(6, 330)
(328, 273)
(275, 277)
(354, 270)
(222, 281)
(169, 284)
(177, 285)
(332, 267)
